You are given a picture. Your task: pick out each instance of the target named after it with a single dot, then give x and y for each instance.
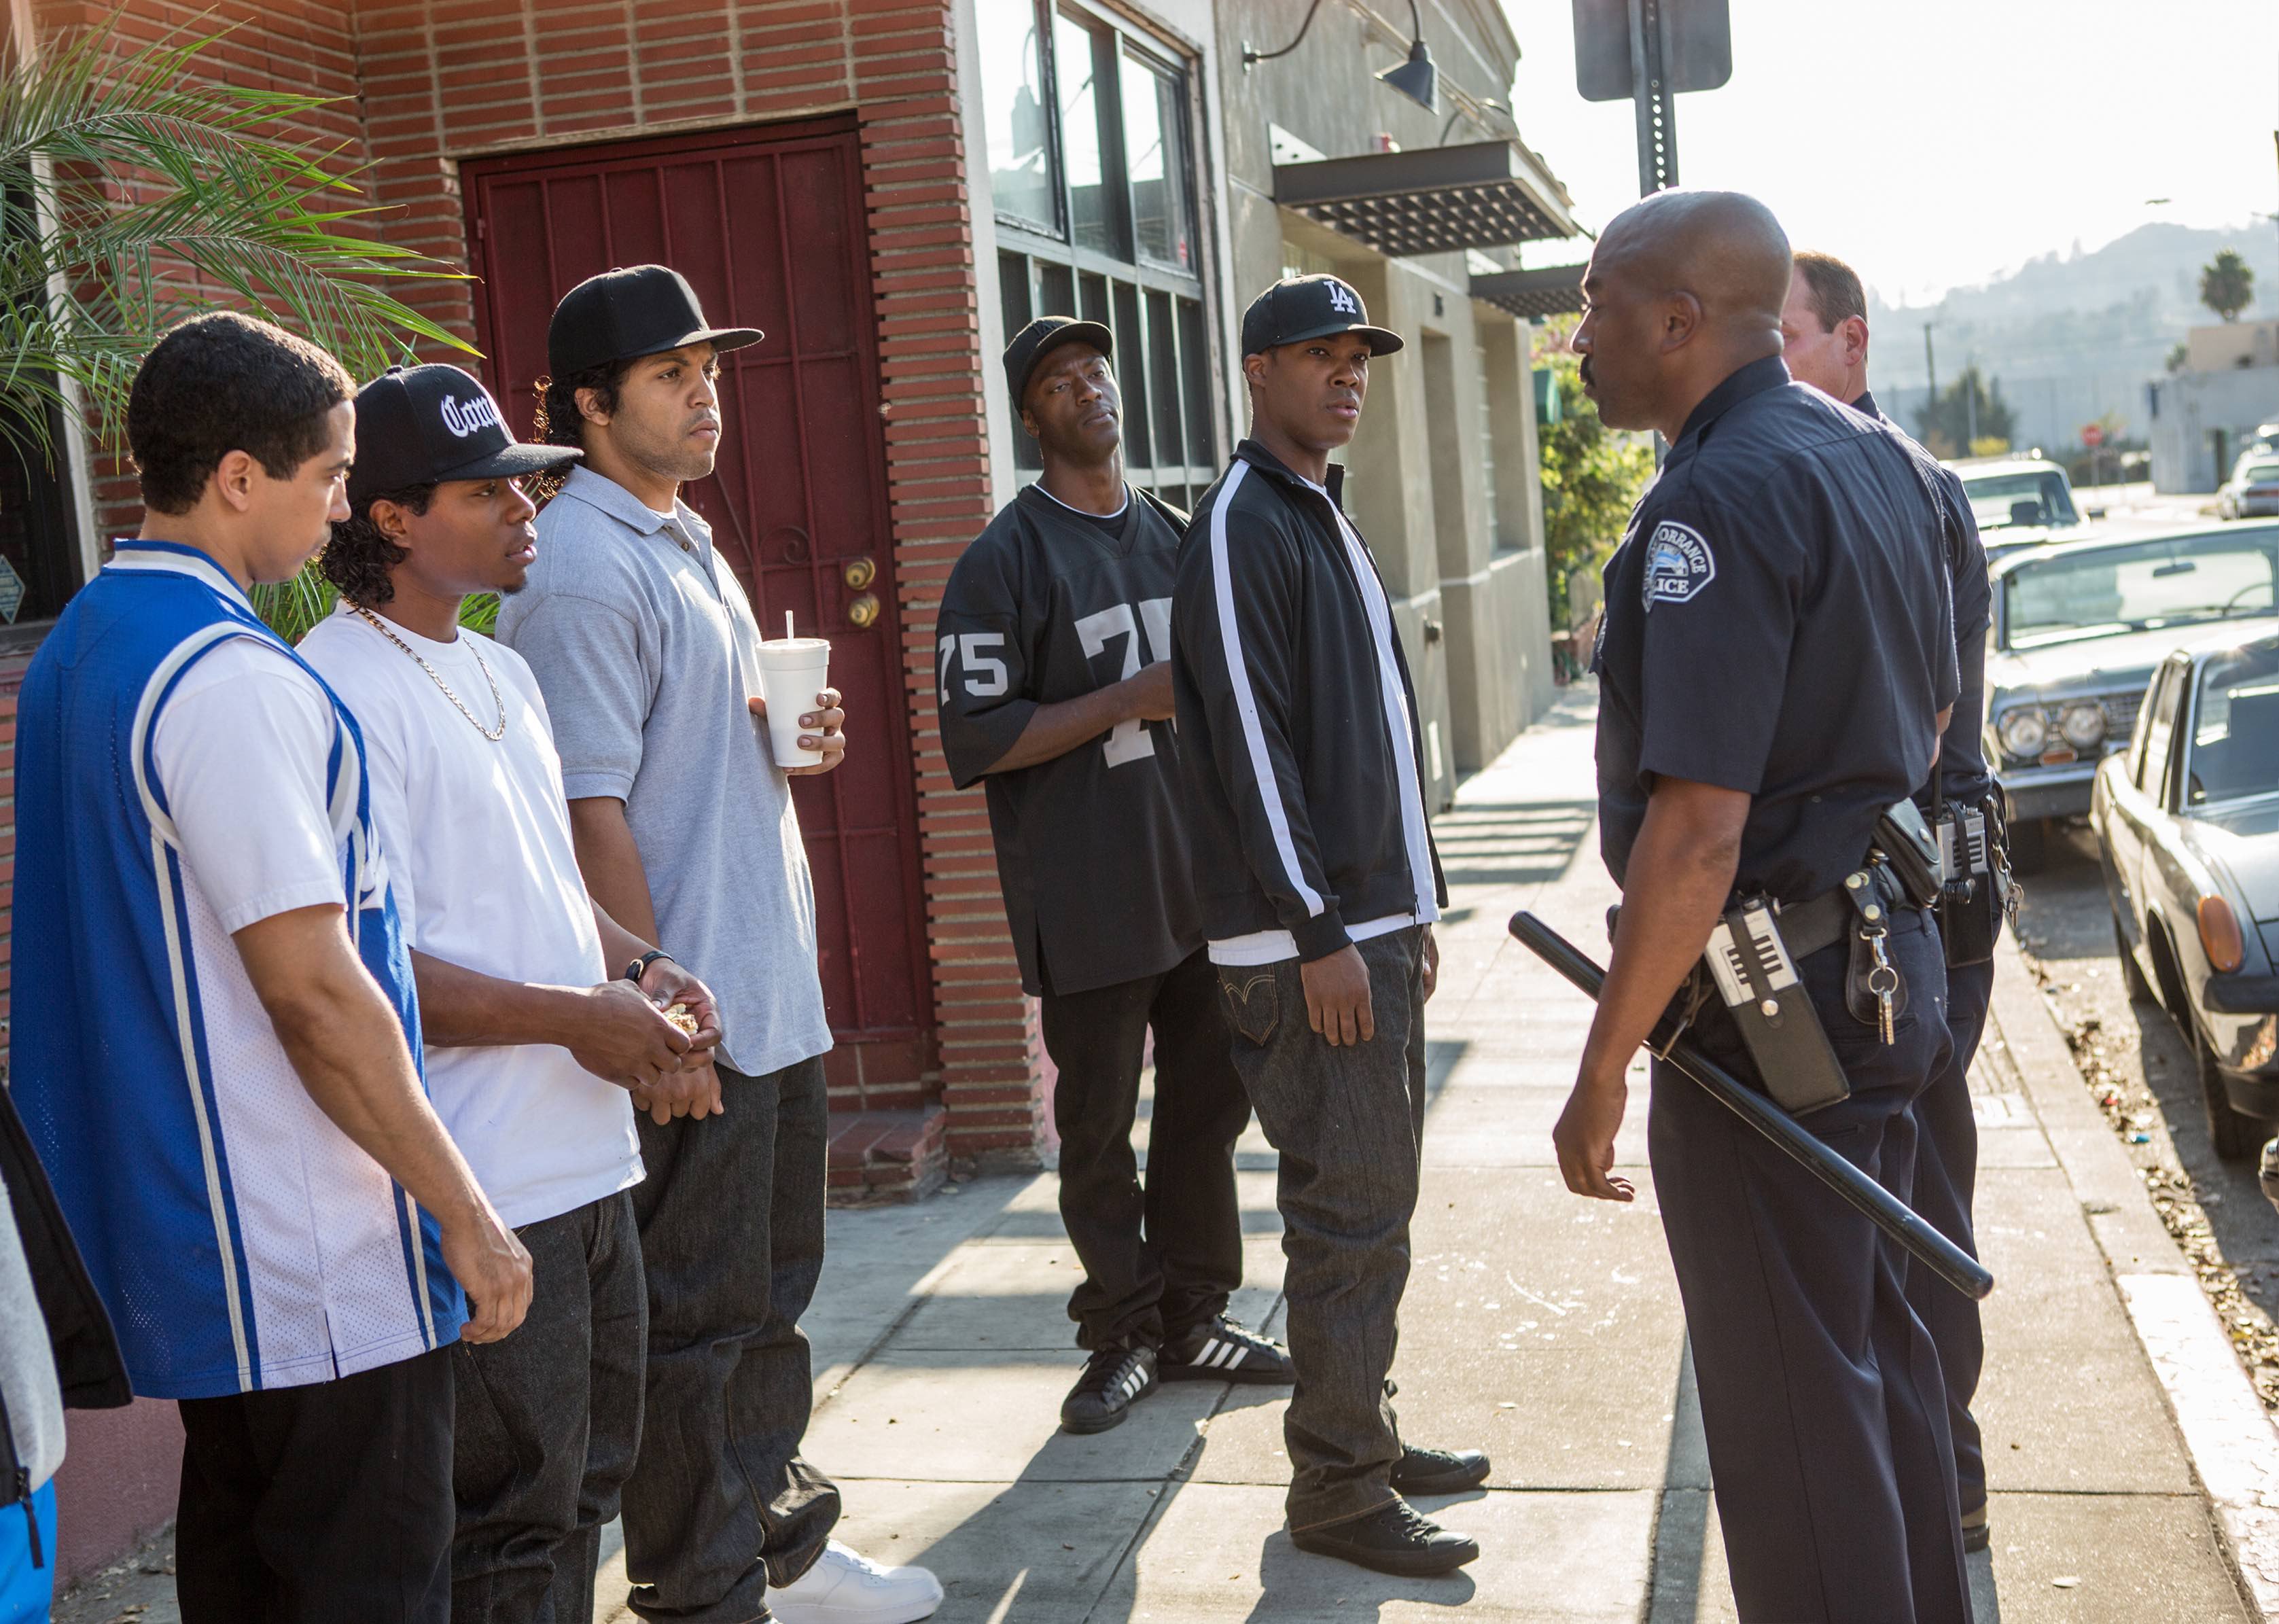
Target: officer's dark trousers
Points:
(1946, 1175)
(1347, 1122)
(1821, 1391)
(1159, 1261)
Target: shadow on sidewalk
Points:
(1510, 843)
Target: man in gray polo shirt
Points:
(647, 652)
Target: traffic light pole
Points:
(1652, 95)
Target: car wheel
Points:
(2029, 845)
(2235, 1138)
(2132, 980)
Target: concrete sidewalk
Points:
(1540, 1327)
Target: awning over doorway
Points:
(1438, 200)
(1549, 290)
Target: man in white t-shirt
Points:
(545, 1022)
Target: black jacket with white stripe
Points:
(1307, 815)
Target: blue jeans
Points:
(26, 1590)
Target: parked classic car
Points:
(2252, 491)
(2077, 629)
(2019, 502)
(2187, 822)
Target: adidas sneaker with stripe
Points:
(1115, 1378)
(1224, 1349)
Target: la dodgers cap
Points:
(1032, 343)
(1299, 308)
(633, 311)
(425, 425)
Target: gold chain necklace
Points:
(380, 626)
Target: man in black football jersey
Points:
(1052, 661)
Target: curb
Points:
(2230, 1438)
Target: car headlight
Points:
(2023, 732)
(2083, 725)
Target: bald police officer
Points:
(1824, 340)
(1775, 664)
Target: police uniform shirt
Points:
(1767, 630)
(1048, 604)
(1963, 774)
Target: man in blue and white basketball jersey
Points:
(215, 1025)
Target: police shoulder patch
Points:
(1678, 564)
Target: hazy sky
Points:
(1936, 143)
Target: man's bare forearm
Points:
(1064, 725)
(345, 1043)
(611, 864)
(464, 1009)
(1681, 870)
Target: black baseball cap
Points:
(625, 314)
(1299, 308)
(1032, 343)
(425, 425)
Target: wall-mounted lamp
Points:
(1417, 79)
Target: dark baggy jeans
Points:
(1821, 1394)
(720, 1506)
(1348, 1122)
(1161, 1260)
(549, 1422)
(1946, 1179)
(327, 1504)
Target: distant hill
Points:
(2073, 335)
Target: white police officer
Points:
(1776, 666)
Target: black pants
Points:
(1946, 1179)
(1821, 1392)
(549, 1422)
(327, 1504)
(1349, 1122)
(1161, 1259)
(720, 1506)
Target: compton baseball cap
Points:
(1032, 343)
(1297, 308)
(425, 425)
(624, 314)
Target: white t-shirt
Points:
(478, 838)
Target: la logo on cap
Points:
(465, 417)
(1342, 299)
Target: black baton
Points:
(1889, 1214)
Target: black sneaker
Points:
(1396, 1539)
(1224, 1349)
(1115, 1378)
(1438, 1471)
(1977, 1535)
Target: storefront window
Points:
(1014, 109)
(1110, 233)
(1154, 148)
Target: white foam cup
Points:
(793, 670)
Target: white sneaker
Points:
(845, 1586)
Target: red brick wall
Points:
(423, 83)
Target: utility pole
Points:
(1930, 371)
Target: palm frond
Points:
(161, 194)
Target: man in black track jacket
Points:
(1319, 886)
(1053, 669)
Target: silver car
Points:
(2077, 631)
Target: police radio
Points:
(1758, 981)
(1973, 890)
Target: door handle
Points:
(859, 573)
(863, 612)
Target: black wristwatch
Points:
(639, 967)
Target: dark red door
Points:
(768, 225)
